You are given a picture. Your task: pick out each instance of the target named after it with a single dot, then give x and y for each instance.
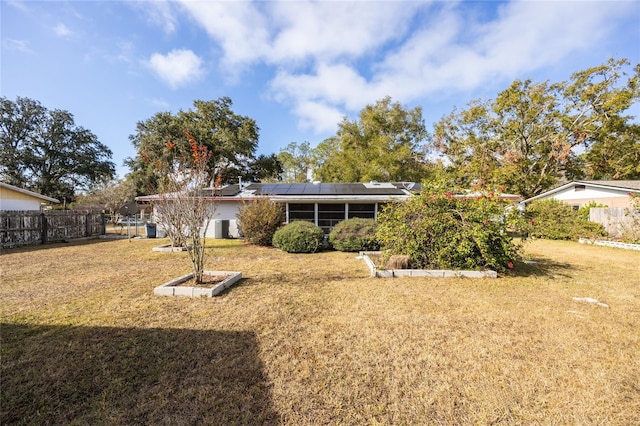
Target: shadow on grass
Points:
(102, 375)
(541, 267)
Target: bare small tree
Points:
(186, 205)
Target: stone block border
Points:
(173, 287)
(168, 248)
(615, 244)
(431, 273)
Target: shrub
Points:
(259, 220)
(356, 234)
(631, 227)
(585, 210)
(555, 220)
(441, 231)
(299, 237)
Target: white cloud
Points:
(333, 56)
(61, 30)
(126, 50)
(325, 31)
(17, 45)
(239, 28)
(318, 116)
(18, 4)
(177, 68)
(159, 13)
(159, 103)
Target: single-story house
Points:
(612, 193)
(324, 204)
(19, 199)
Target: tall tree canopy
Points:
(535, 135)
(231, 140)
(264, 168)
(296, 162)
(46, 152)
(385, 144)
(109, 195)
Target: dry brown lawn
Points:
(312, 339)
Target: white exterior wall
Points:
(19, 204)
(609, 197)
(13, 198)
(225, 210)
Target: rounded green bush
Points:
(299, 237)
(356, 234)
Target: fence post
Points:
(45, 227)
(87, 219)
(103, 219)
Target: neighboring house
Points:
(14, 198)
(324, 204)
(612, 193)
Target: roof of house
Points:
(329, 189)
(373, 191)
(29, 193)
(616, 185)
(320, 192)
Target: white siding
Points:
(225, 210)
(17, 204)
(588, 194)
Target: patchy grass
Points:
(311, 339)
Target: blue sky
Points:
(296, 67)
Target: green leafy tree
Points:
(230, 139)
(529, 137)
(385, 144)
(264, 168)
(46, 152)
(597, 101)
(109, 195)
(296, 161)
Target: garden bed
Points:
(215, 282)
(616, 244)
(431, 273)
(168, 248)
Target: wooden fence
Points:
(26, 228)
(617, 221)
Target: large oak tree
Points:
(230, 139)
(385, 144)
(45, 151)
(535, 135)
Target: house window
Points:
(579, 188)
(301, 212)
(575, 207)
(329, 215)
(367, 211)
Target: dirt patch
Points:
(208, 281)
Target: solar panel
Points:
(292, 189)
